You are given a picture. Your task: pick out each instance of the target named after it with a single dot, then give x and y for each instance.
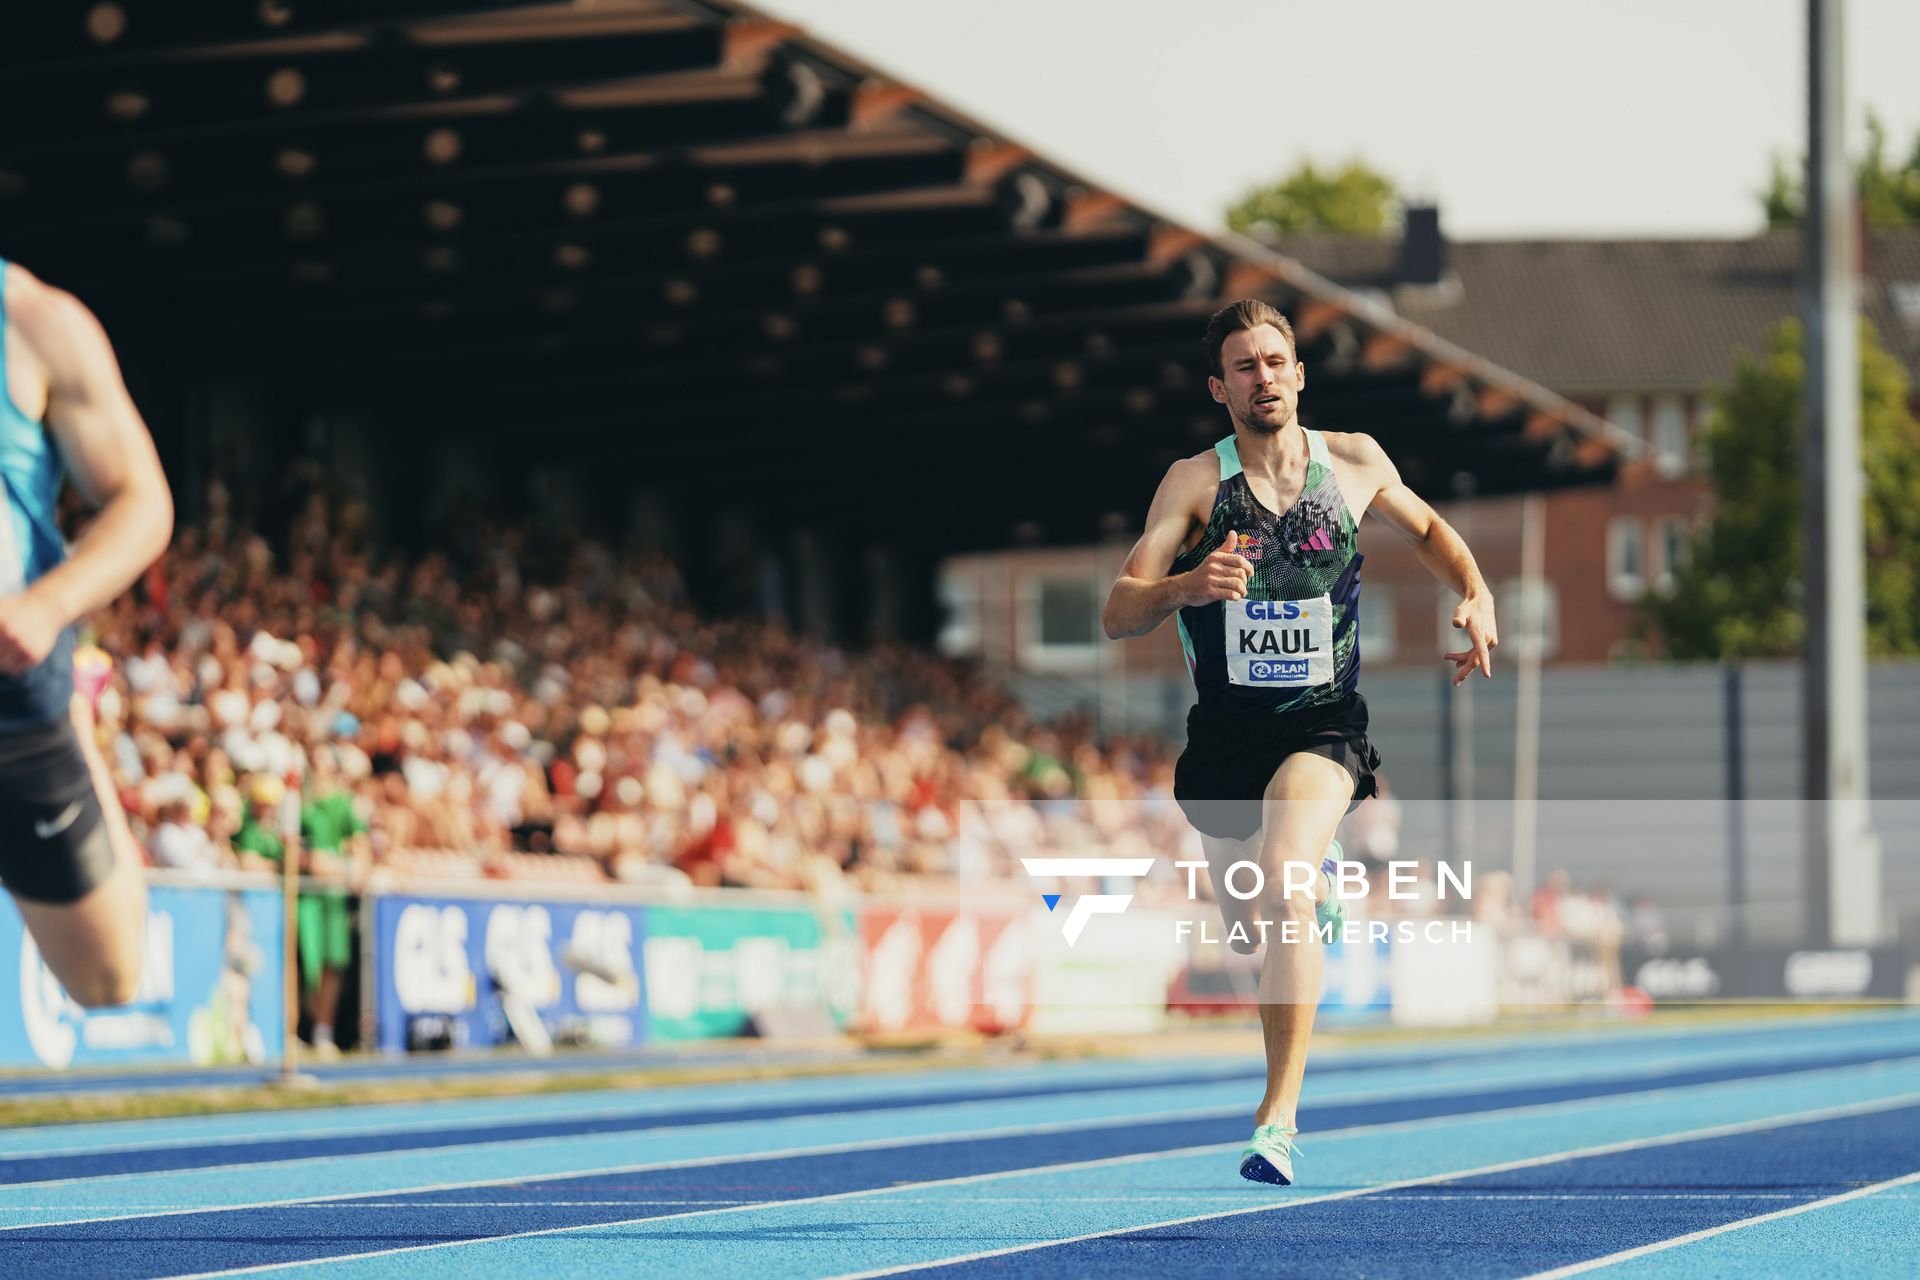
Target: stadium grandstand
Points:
(567, 822)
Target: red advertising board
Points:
(945, 968)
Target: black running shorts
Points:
(1222, 776)
(54, 845)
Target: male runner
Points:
(66, 853)
(1252, 543)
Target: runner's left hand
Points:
(28, 629)
(1475, 617)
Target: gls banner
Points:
(442, 963)
(210, 988)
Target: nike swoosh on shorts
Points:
(47, 830)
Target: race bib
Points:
(1280, 644)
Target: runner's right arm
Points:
(1143, 596)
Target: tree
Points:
(1889, 193)
(1739, 593)
(1351, 200)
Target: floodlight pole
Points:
(1842, 862)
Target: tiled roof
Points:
(1587, 316)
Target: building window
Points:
(1626, 558)
(1669, 436)
(1377, 624)
(1624, 413)
(1061, 623)
(1529, 618)
(1672, 543)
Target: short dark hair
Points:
(1248, 313)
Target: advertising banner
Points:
(442, 964)
(710, 969)
(1768, 973)
(210, 988)
(929, 969)
(1114, 979)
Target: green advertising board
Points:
(710, 969)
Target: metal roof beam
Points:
(315, 160)
(266, 87)
(491, 203)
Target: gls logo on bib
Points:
(1279, 642)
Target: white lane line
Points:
(1611, 1148)
(1036, 1198)
(1594, 1264)
(1860, 1108)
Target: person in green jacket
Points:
(335, 851)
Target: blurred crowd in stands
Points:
(548, 709)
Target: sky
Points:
(1519, 117)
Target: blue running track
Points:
(1788, 1147)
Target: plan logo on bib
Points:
(1087, 905)
(1289, 671)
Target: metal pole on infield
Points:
(290, 917)
(1842, 857)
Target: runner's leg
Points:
(94, 944)
(1305, 802)
(1242, 934)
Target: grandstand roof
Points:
(678, 229)
(1644, 315)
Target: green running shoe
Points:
(1333, 911)
(1269, 1157)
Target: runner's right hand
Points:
(1221, 576)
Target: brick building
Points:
(1640, 332)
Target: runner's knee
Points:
(105, 983)
(1289, 891)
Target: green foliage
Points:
(1739, 594)
(1350, 200)
(1785, 199)
(1889, 192)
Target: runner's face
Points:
(1261, 381)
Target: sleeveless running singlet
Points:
(1294, 641)
(30, 545)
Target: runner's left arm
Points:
(105, 446)
(1443, 551)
